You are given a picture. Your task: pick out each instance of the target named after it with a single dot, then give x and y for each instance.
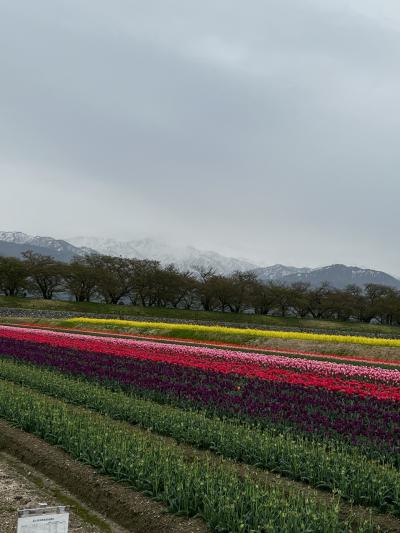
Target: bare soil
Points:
(129, 510)
(23, 487)
(383, 353)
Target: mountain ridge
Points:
(340, 276)
(189, 257)
(14, 243)
(186, 257)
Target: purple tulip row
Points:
(359, 420)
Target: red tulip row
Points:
(225, 345)
(269, 368)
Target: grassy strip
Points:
(214, 490)
(382, 354)
(52, 325)
(334, 466)
(184, 314)
(178, 338)
(189, 329)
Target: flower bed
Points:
(250, 332)
(360, 404)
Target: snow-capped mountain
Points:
(185, 257)
(189, 258)
(340, 276)
(279, 272)
(15, 237)
(14, 243)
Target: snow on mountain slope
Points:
(188, 258)
(185, 257)
(15, 242)
(340, 276)
(15, 237)
(278, 272)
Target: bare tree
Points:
(13, 276)
(46, 275)
(81, 279)
(113, 276)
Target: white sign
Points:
(47, 520)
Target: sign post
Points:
(43, 520)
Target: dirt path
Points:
(23, 487)
(116, 502)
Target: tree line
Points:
(149, 284)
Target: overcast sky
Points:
(263, 129)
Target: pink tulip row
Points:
(125, 347)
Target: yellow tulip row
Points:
(351, 339)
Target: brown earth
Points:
(383, 353)
(115, 501)
(23, 487)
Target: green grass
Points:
(183, 314)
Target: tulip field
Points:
(248, 441)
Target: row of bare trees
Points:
(147, 283)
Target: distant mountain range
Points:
(338, 276)
(188, 258)
(185, 257)
(279, 272)
(14, 243)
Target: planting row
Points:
(213, 489)
(330, 406)
(336, 467)
(249, 364)
(385, 362)
(250, 332)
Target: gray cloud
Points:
(266, 130)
